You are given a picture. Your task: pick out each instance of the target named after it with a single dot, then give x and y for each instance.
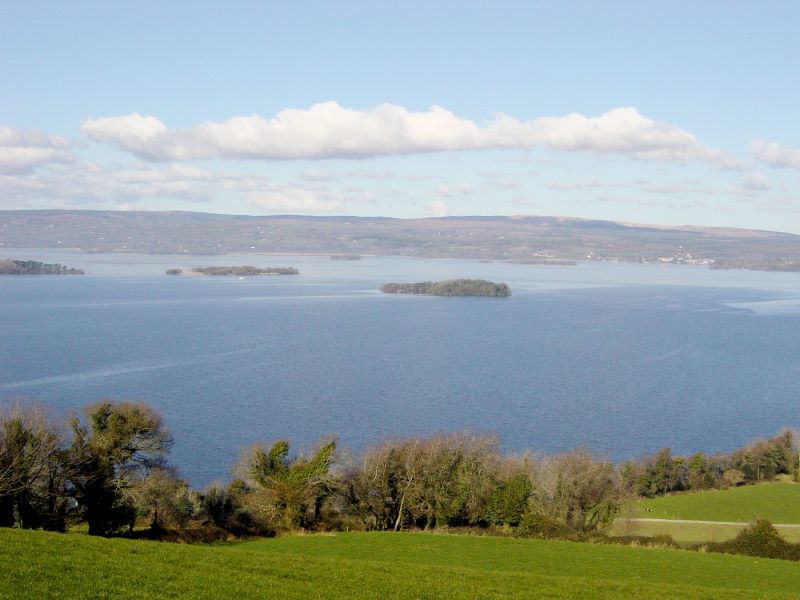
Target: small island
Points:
(345, 257)
(243, 271)
(450, 287)
(553, 262)
(32, 267)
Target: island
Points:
(174, 271)
(345, 257)
(245, 271)
(450, 287)
(32, 267)
(553, 262)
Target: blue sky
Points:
(655, 112)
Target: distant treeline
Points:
(32, 267)
(450, 287)
(758, 264)
(110, 472)
(663, 472)
(246, 271)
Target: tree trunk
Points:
(400, 512)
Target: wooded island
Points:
(450, 287)
(32, 267)
(239, 271)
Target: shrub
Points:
(759, 539)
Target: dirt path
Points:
(689, 521)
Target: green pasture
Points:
(779, 502)
(376, 565)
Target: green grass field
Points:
(376, 565)
(779, 502)
(692, 533)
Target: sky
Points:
(650, 112)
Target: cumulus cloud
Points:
(776, 155)
(329, 130)
(22, 150)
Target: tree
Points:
(162, 498)
(701, 472)
(32, 470)
(578, 490)
(122, 443)
(446, 479)
(297, 487)
(662, 473)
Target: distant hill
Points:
(535, 239)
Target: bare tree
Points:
(578, 490)
(32, 465)
(446, 479)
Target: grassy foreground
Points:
(376, 565)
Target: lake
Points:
(621, 358)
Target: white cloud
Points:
(563, 186)
(294, 201)
(89, 184)
(328, 130)
(437, 208)
(23, 150)
(755, 182)
(317, 176)
(445, 191)
(776, 155)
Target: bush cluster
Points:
(110, 472)
(758, 539)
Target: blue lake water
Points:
(621, 358)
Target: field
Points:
(779, 502)
(376, 565)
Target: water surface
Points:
(621, 358)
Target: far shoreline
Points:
(554, 265)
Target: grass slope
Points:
(779, 502)
(385, 565)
